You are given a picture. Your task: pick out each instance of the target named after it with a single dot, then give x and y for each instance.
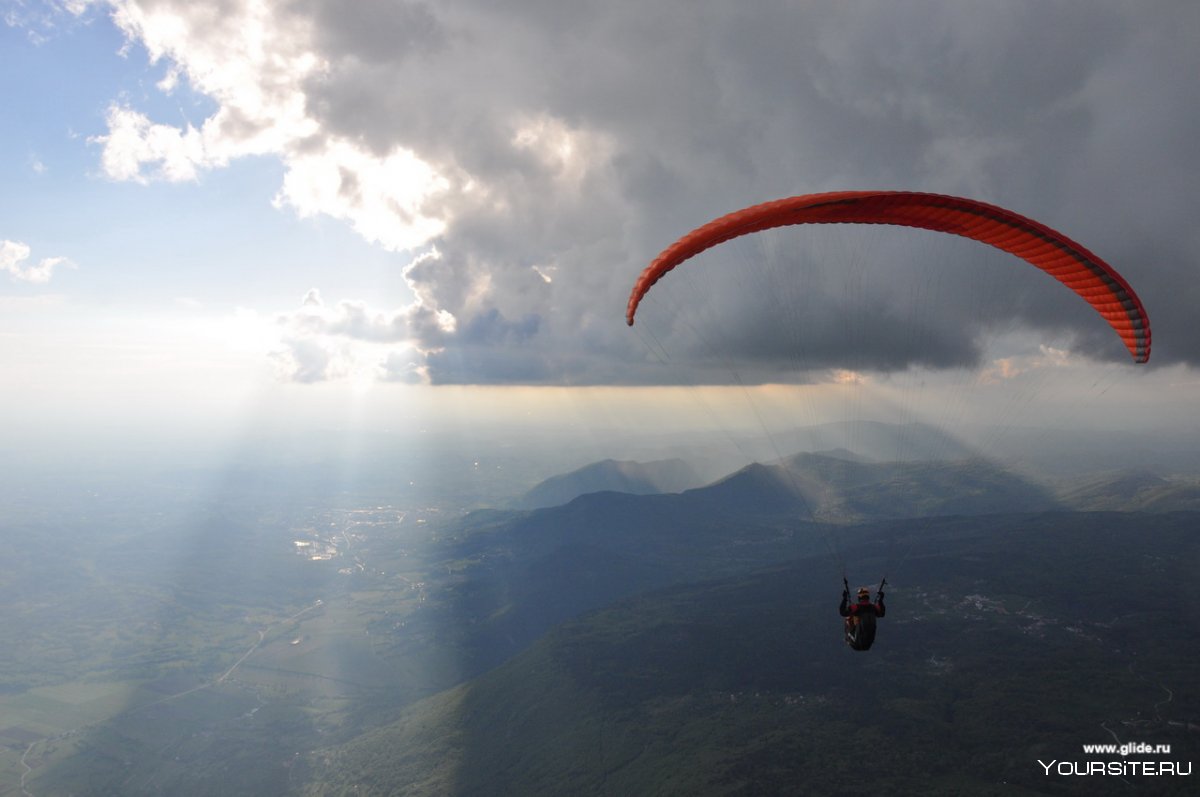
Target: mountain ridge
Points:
(610, 475)
(741, 685)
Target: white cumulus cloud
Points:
(13, 255)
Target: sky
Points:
(247, 214)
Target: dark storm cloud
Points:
(581, 139)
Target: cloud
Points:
(545, 153)
(321, 343)
(382, 198)
(1011, 367)
(40, 20)
(13, 255)
(306, 360)
(254, 60)
(411, 344)
(133, 142)
(406, 369)
(347, 319)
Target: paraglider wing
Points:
(1060, 257)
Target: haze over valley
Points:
(262, 630)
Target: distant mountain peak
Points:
(611, 475)
(841, 489)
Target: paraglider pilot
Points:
(860, 617)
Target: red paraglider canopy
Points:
(1060, 257)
